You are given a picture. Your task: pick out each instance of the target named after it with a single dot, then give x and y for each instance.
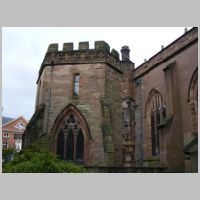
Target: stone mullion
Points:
(65, 143)
(75, 132)
(158, 130)
(161, 113)
(155, 132)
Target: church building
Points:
(98, 110)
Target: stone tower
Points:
(83, 105)
(100, 111)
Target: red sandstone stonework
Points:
(113, 105)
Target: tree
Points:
(7, 155)
(34, 160)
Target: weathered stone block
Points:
(53, 48)
(115, 53)
(83, 45)
(68, 47)
(101, 45)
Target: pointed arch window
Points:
(156, 109)
(70, 140)
(76, 136)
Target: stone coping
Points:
(166, 53)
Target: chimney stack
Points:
(125, 53)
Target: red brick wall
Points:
(11, 129)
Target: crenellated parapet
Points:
(101, 52)
(68, 55)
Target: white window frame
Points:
(5, 134)
(5, 145)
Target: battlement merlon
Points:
(52, 48)
(84, 55)
(99, 45)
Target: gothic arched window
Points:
(70, 140)
(155, 113)
(70, 136)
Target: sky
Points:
(23, 50)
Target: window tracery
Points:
(156, 112)
(70, 141)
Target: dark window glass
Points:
(164, 112)
(158, 113)
(153, 134)
(70, 146)
(157, 116)
(60, 145)
(80, 145)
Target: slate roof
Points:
(5, 120)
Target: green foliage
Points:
(6, 153)
(33, 160)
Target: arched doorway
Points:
(70, 136)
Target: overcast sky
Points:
(23, 50)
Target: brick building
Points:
(12, 131)
(98, 110)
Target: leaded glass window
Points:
(70, 140)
